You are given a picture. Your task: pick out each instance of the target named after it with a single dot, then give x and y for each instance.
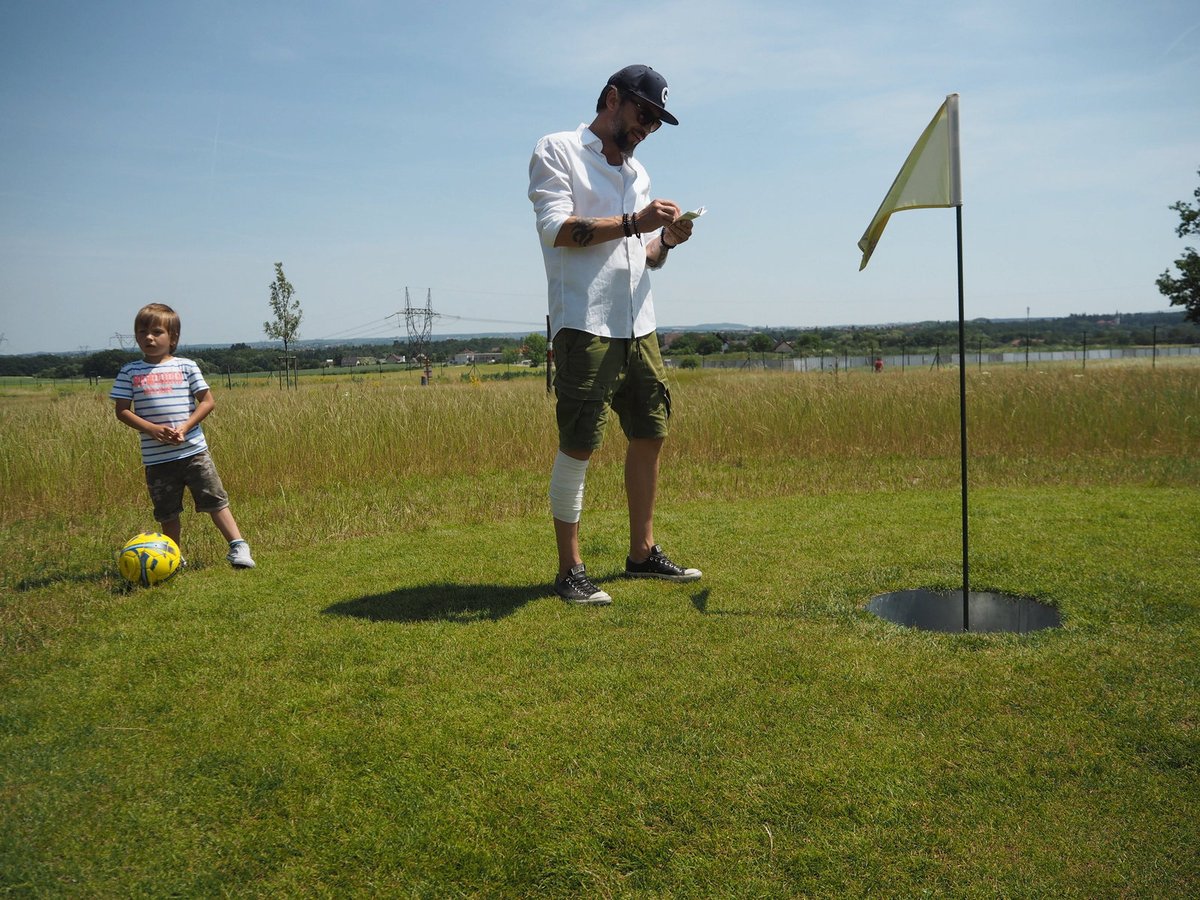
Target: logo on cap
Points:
(663, 102)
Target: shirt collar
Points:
(592, 142)
(589, 138)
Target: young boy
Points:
(165, 397)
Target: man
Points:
(600, 233)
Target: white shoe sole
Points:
(600, 599)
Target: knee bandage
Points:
(566, 487)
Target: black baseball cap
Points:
(645, 84)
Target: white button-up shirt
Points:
(603, 289)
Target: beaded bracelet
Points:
(636, 230)
(625, 224)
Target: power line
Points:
(489, 321)
(373, 327)
(445, 290)
(481, 318)
(386, 328)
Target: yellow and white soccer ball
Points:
(148, 559)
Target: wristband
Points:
(625, 224)
(633, 221)
(662, 240)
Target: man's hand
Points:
(679, 231)
(656, 214)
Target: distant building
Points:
(475, 357)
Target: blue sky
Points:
(175, 151)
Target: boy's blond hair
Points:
(158, 314)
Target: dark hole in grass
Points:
(930, 610)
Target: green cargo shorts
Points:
(593, 374)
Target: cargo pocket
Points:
(562, 352)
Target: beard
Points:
(624, 140)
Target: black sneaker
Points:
(576, 587)
(658, 566)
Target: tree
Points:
(708, 343)
(683, 345)
(106, 363)
(286, 311)
(535, 346)
(1185, 290)
(66, 370)
(807, 340)
(761, 343)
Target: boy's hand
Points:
(165, 434)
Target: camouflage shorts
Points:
(197, 473)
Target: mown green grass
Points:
(393, 703)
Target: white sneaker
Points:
(239, 555)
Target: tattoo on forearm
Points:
(583, 232)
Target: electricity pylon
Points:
(419, 322)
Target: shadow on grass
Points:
(700, 602)
(115, 582)
(107, 578)
(442, 603)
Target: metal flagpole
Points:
(549, 356)
(962, 428)
(932, 177)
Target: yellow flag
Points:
(930, 177)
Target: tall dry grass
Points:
(1058, 413)
(358, 456)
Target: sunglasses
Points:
(645, 117)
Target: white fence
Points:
(831, 363)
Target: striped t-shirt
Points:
(163, 393)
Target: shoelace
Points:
(664, 562)
(581, 582)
